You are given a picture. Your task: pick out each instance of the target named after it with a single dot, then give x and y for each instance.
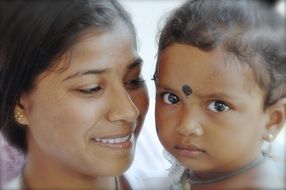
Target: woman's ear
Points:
(277, 118)
(20, 112)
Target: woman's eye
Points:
(136, 83)
(170, 98)
(218, 106)
(90, 90)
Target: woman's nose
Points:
(122, 108)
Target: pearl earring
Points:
(19, 115)
(269, 138)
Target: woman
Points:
(72, 97)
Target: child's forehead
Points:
(180, 60)
(187, 56)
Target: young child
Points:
(221, 93)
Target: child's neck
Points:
(211, 177)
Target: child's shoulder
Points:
(270, 176)
(265, 176)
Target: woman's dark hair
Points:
(252, 30)
(33, 34)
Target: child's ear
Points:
(20, 112)
(277, 118)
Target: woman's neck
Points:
(43, 174)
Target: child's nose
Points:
(122, 108)
(190, 124)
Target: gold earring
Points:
(269, 138)
(19, 115)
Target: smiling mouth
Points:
(114, 140)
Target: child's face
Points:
(219, 126)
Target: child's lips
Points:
(189, 150)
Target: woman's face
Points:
(86, 116)
(220, 126)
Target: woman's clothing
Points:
(133, 180)
(15, 184)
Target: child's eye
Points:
(170, 98)
(90, 91)
(218, 106)
(134, 84)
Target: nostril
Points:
(182, 131)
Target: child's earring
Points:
(19, 116)
(269, 138)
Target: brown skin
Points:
(68, 109)
(221, 126)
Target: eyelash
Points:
(221, 103)
(162, 95)
(90, 91)
(226, 106)
(135, 83)
(132, 84)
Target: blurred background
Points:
(148, 17)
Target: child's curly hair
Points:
(251, 30)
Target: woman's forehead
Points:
(96, 52)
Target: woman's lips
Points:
(189, 150)
(119, 141)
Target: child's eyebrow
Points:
(160, 85)
(214, 95)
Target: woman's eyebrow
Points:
(87, 72)
(137, 62)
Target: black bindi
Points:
(187, 90)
